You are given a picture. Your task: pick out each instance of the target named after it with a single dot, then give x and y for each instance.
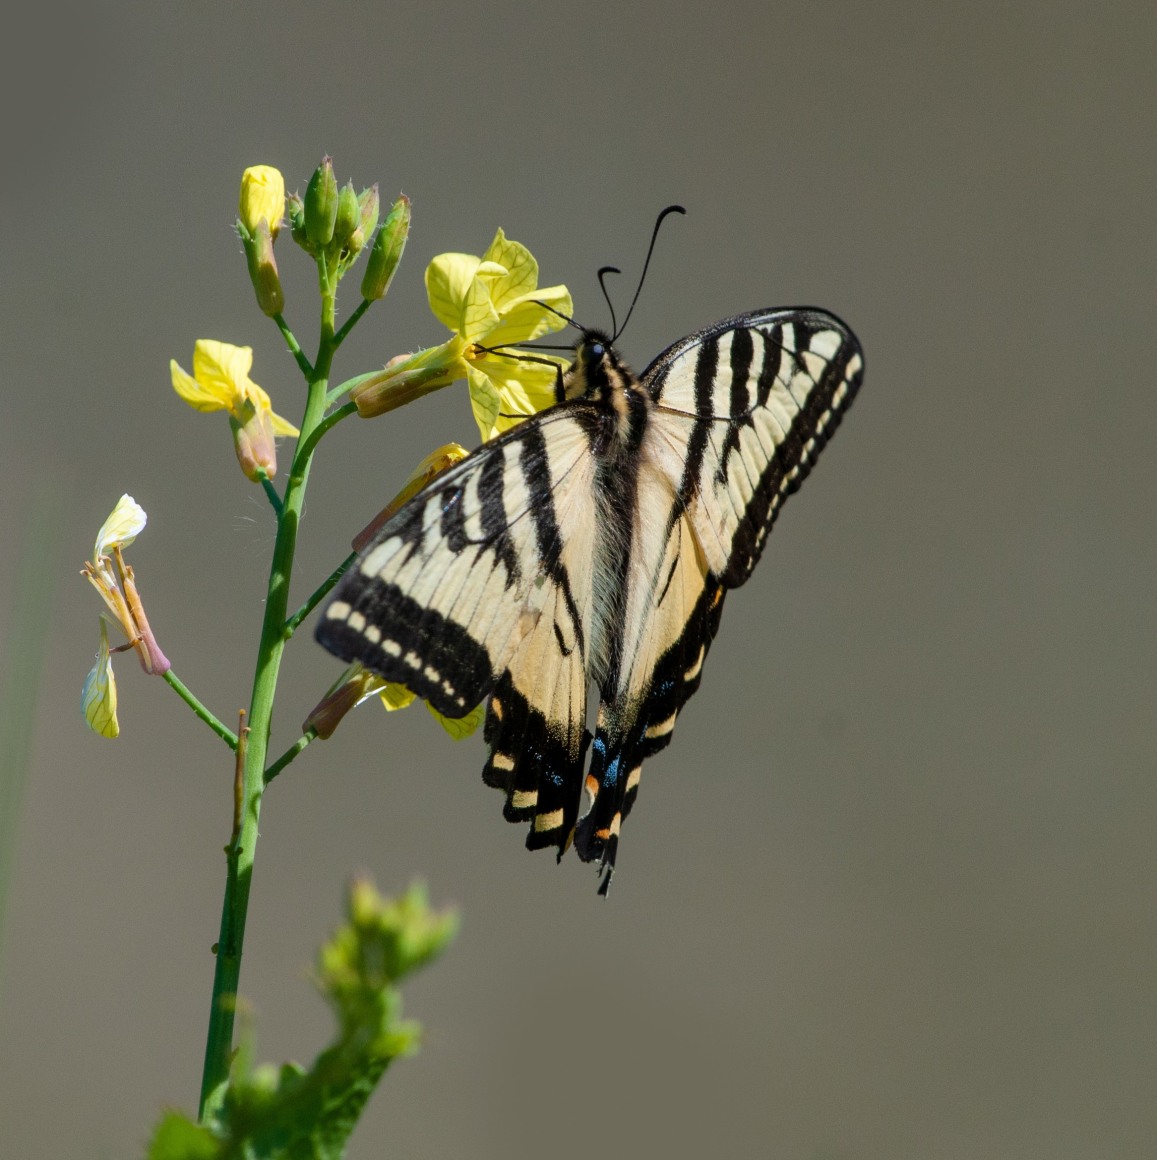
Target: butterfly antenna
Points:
(650, 250)
(564, 317)
(603, 270)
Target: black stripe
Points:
(491, 491)
(536, 478)
(742, 351)
(706, 363)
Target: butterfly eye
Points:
(597, 350)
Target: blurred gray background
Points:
(891, 892)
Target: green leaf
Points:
(293, 1113)
(178, 1138)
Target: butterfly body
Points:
(593, 545)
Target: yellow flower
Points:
(98, 698)
(488, 302)
(262, 198)
(494, 301)
(220, 382)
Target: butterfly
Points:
(594, 543)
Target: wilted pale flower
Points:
(114, 580)
(98, 698)
(220, 382)
(262, 198)
(491, 301)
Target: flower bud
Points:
(98, 698)
(321, 198)
(348, 215)
(263, 271)
(295, 210)
(262, 198)
(350, 689)
(253, 443)
(408, 377)
(368, 203)
(434, 464)
(387, 250)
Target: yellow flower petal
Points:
(485, 401)
(449, 278)
(98, 698)
(524, 320)
(126, 521)
(459, 727)
(395, 696)
(520, 271)
(193, 393)
(222, 368)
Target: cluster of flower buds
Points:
(334, 226)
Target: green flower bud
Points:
(321, 198)
(348, 215)
(295, 209)
(368, 204)
(263, 271)
(387, 250)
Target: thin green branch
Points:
(288, 756)
(271, 493)
(323, 589)
(294, 345)
(350, 323)
(310, 441)
(179, 687)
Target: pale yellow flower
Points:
(495, 301)
(220, 382)
(262, 198)
(491, 301)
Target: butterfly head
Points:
(597, 371)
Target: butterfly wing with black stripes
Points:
(594, 543)
(740, 412)
(481, 586)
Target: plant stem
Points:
(331, 420)
(271, 492)
(288, 756)
(350, 323)
(223, 731)
(294, 346)
(291, 625)
(240, 851)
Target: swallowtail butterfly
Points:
(594, 543)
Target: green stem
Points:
(294, 346)
(308, 736)
(310, 442)
(240, 851)
(291, 625)
(350, 323)
(271, 492)
(223, 731)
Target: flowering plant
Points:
(488, 302)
